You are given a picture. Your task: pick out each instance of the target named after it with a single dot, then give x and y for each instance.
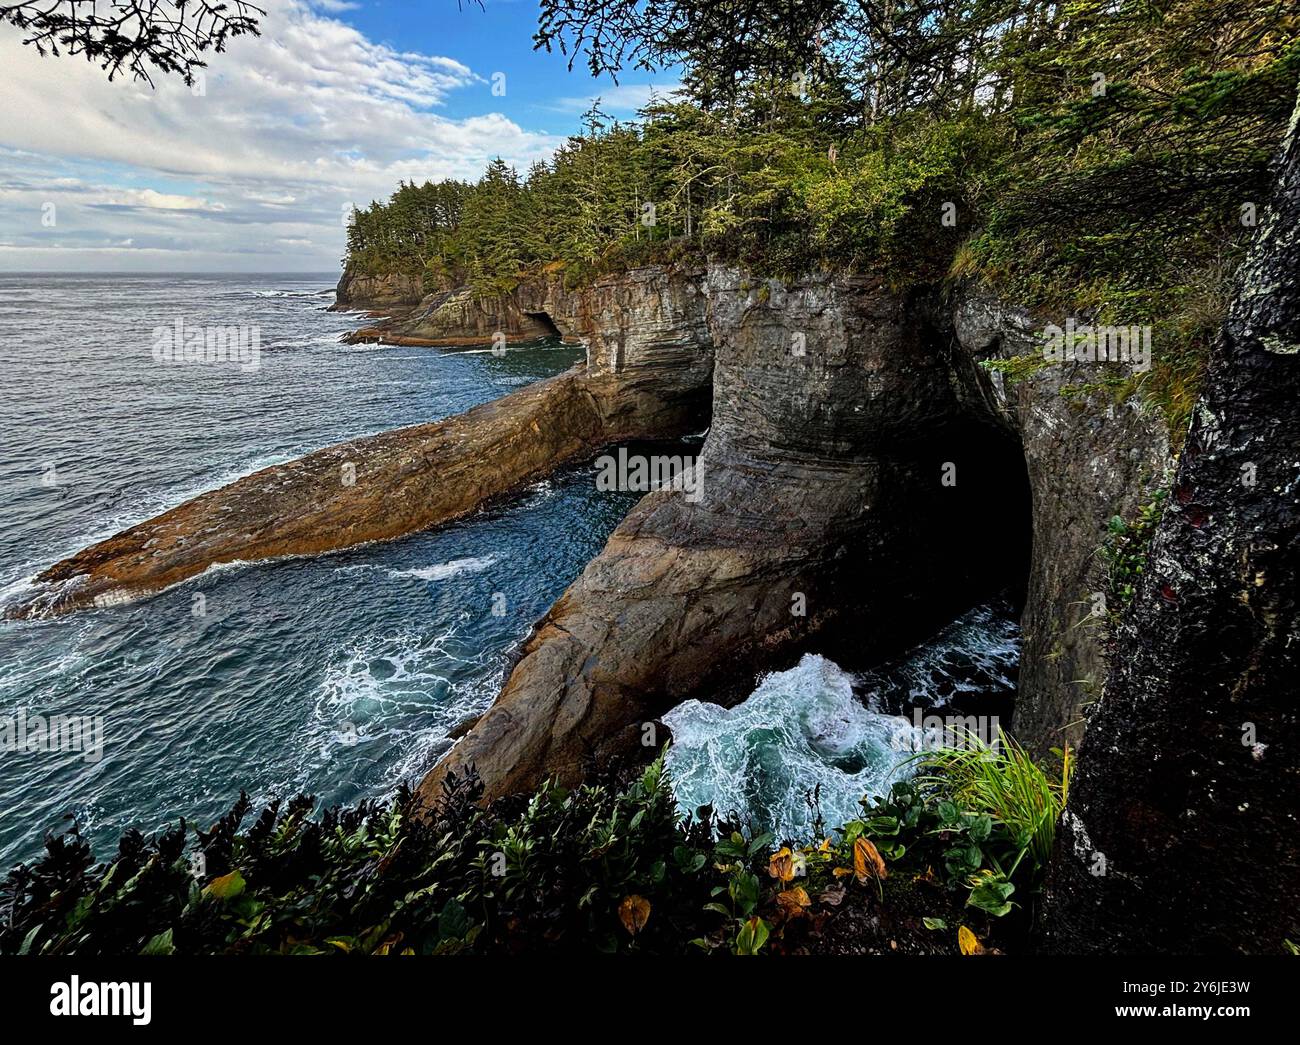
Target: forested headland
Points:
(1076, 156)
(1107, 159)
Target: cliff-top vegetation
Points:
(949, 862)
(1087, 157)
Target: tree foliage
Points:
(134, 36)
(1087, 152)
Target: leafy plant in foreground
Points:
(604, 867)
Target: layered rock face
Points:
(462, 316)
(838, 409)
(649, 350)
(649, 346)
(1183, 829)
(821, 518)
(648, 378)
(1087, 460)
(394, 290)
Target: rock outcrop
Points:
(649, 344)
(649, 351)
(1183, 829)
(647, 378)
(1087, 460)
(357, 290)
(367, 490)
(838, 409)
(822, 518)
(462, 316)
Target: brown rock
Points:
(817, 523)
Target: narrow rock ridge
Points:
(647, 377)
(370, 489)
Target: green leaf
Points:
(744, 892)
(160, 944)
(453, 921)
(752, 935)
(28, 939)
(882, 826)
(991, 896)
(980, 827)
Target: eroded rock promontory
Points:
(823, 519)
(647, 376)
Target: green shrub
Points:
(600, 867)
(1124, 550)
(550, 871)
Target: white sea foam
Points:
(816, 725)
(316, 340)
(440, 571)
(977, 653)
(401, 692)
(800, 731)
(443, 570)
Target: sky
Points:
(256, 168)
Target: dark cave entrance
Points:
(543, 325)
(934, 589)
(989, 514)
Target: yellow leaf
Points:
(781, 865)
(227, 887)
(793, 901)
(633, 912)
(840, 872)
(968, 942)
(867, 860)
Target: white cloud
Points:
(255, 167)
(148, 199)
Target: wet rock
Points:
(1183, 830)
(366, 490)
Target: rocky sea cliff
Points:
(875, 461)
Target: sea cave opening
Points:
(927, 598)
(543, 325)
